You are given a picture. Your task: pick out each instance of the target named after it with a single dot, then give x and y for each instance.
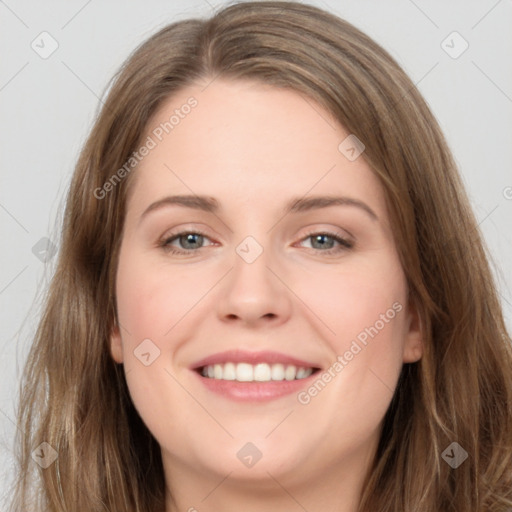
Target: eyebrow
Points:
(211, 205)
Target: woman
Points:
(335, 341)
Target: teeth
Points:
(217, 371)
(290, 372)
(229, 371)
(301, 372)
(244, 372)
(277, 372)
(261, 372)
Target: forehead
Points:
(248, 143)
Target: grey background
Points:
(47, 107)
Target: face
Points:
(295, 306)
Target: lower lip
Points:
(255, 391)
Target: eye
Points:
(188, 242)
(328, 243)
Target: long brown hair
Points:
(75, 398)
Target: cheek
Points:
(149, 304)
(155, 307)
(152, 299)
(365, 311)
(356, 300)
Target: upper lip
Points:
(244, 356)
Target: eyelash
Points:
(344, 244)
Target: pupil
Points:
(193, 238)
(321, 239)
(190, 239)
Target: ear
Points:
(413, 347)
(116, 345)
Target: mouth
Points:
(261, 372)
(254, 376)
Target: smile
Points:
(242, 375)
(262, 372)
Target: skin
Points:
(254, 147)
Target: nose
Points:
(255, 294)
